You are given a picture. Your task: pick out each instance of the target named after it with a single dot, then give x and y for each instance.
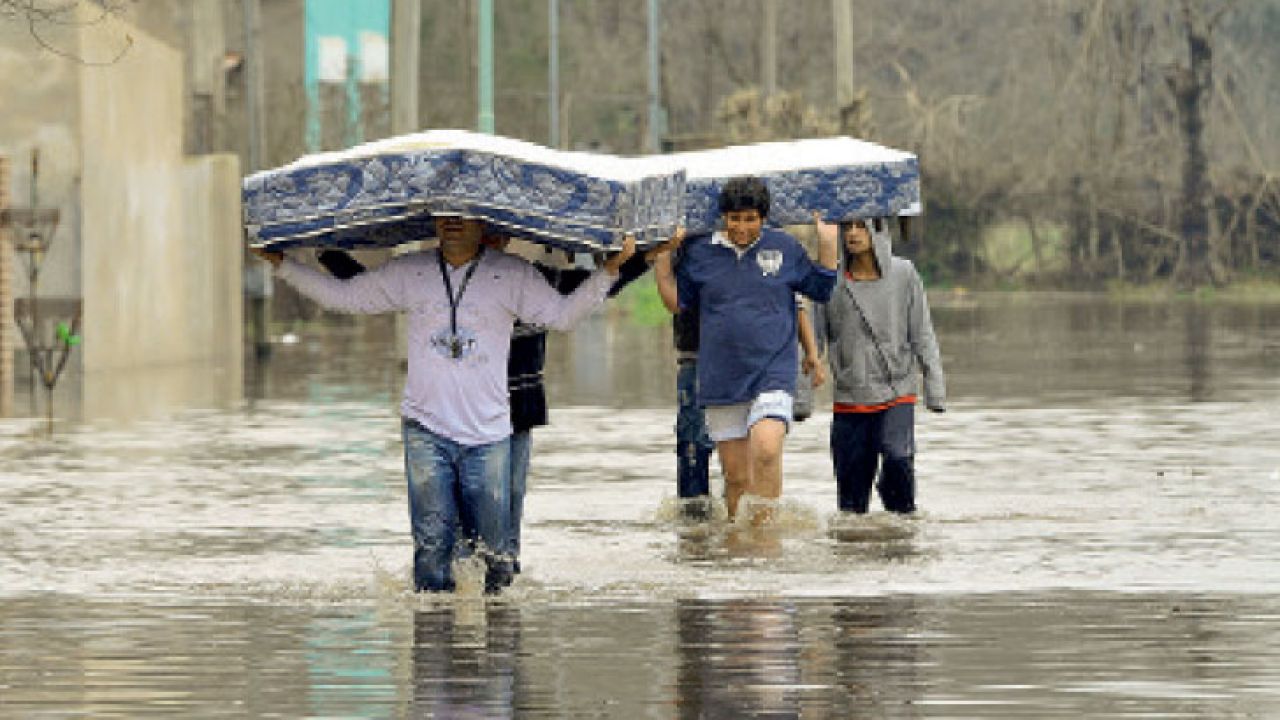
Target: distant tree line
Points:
(1119, 139)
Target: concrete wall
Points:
(162, 246)
(158, 227)
(135, 244)
(209, 373)
(212, 188)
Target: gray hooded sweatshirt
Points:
(878, 334)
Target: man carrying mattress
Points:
(462, 303)
(742, 280)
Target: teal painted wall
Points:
(342, 48)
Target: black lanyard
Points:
(454, 302)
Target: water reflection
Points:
(348, 668)
(737, 659)
(466, 662)
(1197, 344)
(787, 659)
(156, 392)
(1012, 655)
(1072, 347)
(145, 393)
(877, 657)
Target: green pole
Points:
(484, 122)
(653, 139)
(553, 73)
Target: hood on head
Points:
(881, 243)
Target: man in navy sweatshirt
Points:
(743, 280)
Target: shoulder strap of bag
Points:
(884, 359)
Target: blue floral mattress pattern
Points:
(842, 178)
(386, 193)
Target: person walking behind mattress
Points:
(693, 445)
(462, 303)
(743, 280)
(878, 338)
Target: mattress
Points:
(386, 193)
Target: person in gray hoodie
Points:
(878, 338)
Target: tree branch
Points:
(35, 14)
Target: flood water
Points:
(1097, 538)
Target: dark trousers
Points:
(861, 442)
(521, 446)
(693, 445)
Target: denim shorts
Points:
(731, 422)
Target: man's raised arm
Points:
(367, 293)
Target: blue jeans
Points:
(521, 446)
(693, 445)
(862, 441)
(459, 504)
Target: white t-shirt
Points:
(457, 381)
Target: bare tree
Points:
(1192, 87)
(40, 16)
